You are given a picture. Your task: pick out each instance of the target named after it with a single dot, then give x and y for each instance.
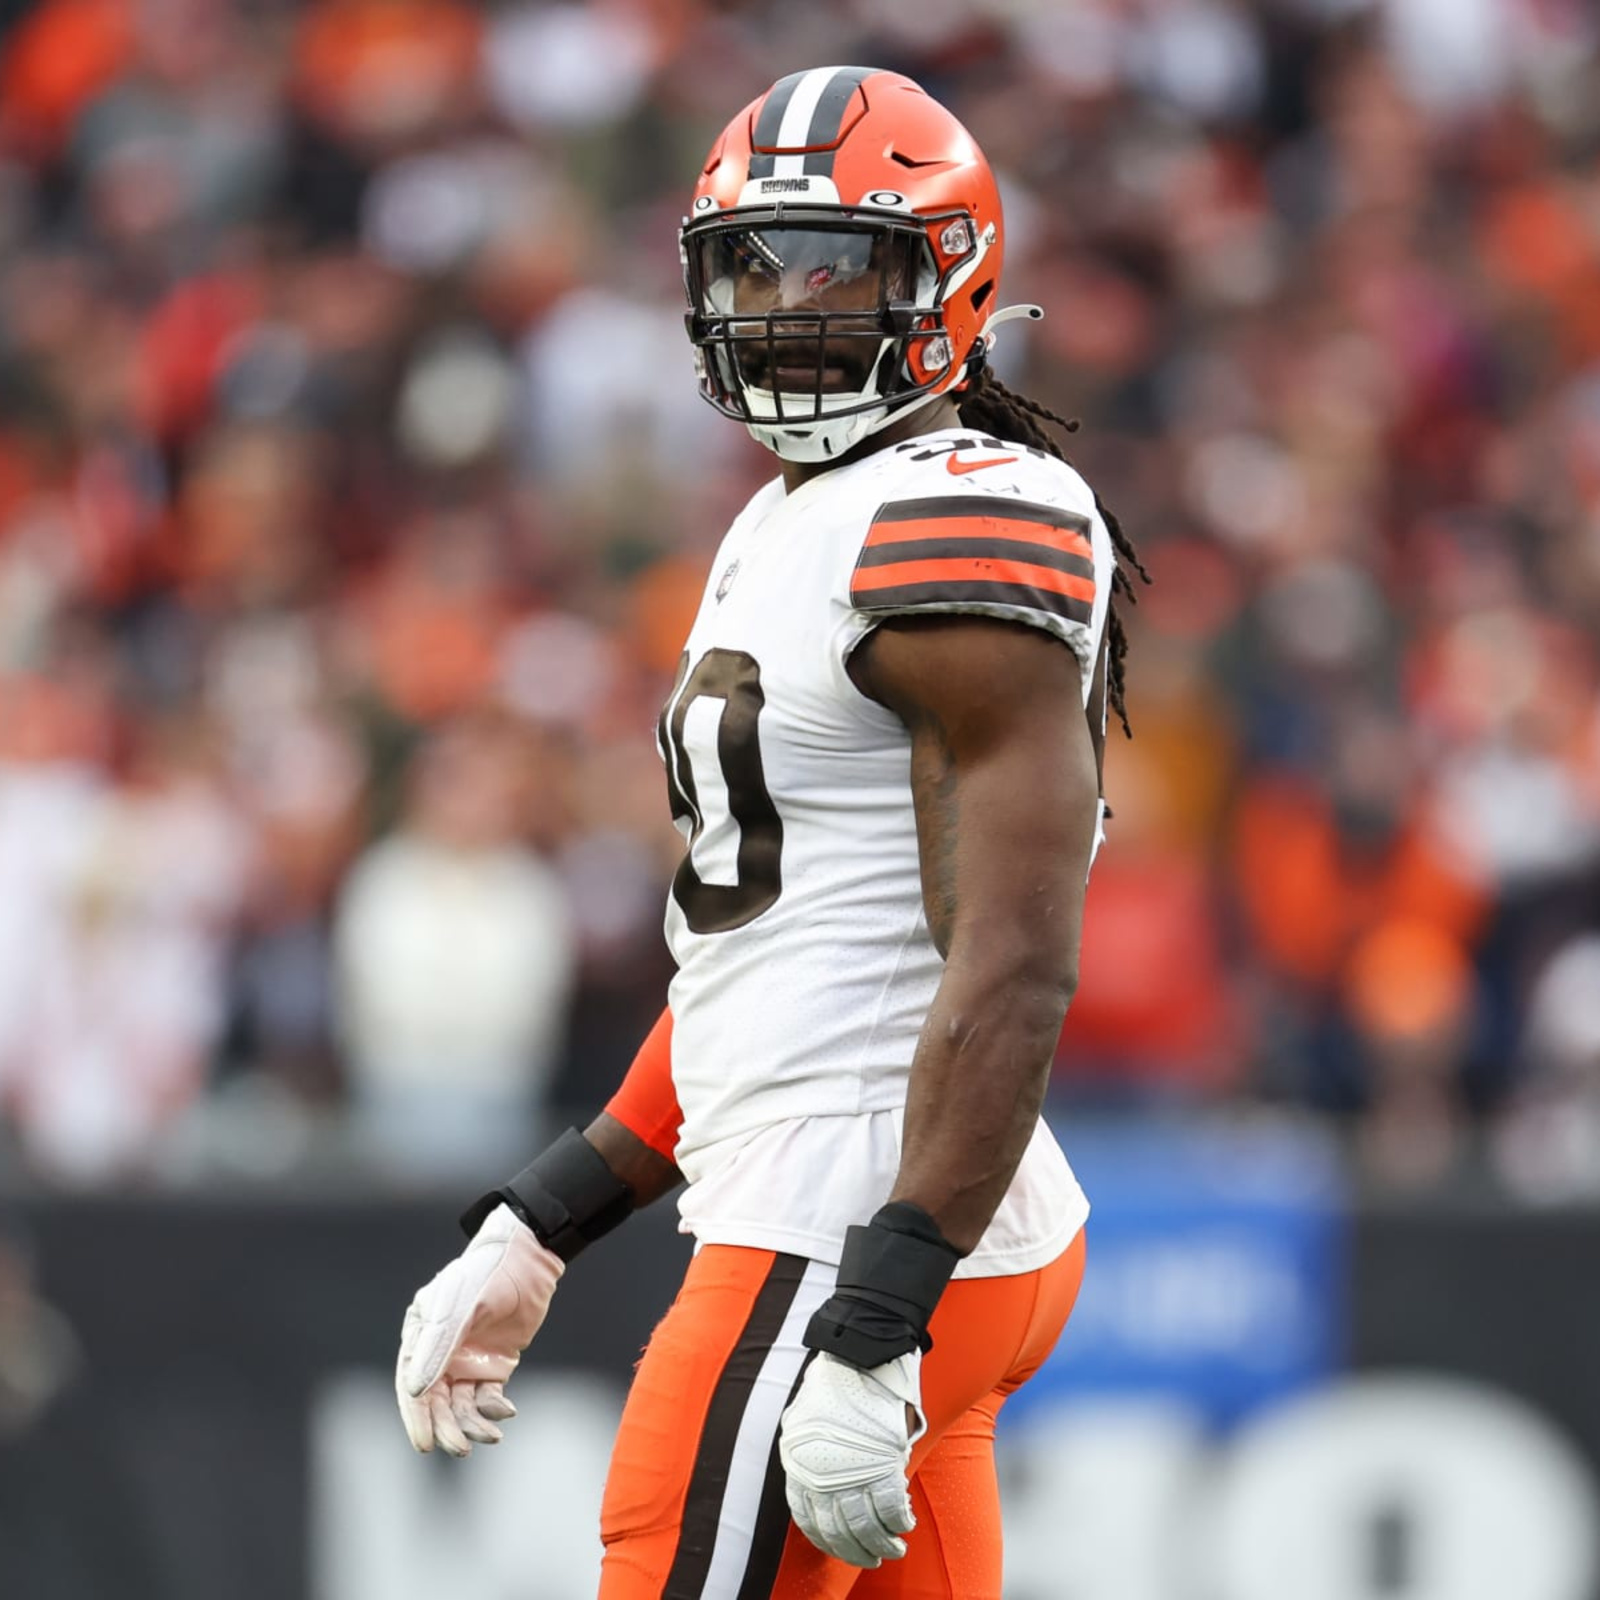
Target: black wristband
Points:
(567, 1195)
(891, 1275)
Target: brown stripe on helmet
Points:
(765, 137)
(827, 121)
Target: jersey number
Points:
(734, 678)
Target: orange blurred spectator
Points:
(430, 628)
(1409, 992)
(183, 347)
(249, 529)
(1537, 241)
(662, 604)
(381, 69)
(1309, 891)
(59, 56)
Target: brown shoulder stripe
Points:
(957, 595)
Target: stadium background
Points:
(353, 501)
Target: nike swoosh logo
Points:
(958, 468)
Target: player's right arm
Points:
(466, 1329)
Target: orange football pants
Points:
(694, 1503)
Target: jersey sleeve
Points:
(646, 1102)
(1039, 562)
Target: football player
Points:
(883, 749)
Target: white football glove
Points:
(465, 1331)
(845, 1447)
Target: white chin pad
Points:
(831, 438)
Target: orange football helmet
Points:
(841, 256)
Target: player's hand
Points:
(465, 1331)
(845, 1442)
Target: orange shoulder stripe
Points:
(1069, 540)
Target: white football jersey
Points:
(805, 963)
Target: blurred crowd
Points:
(355, 497)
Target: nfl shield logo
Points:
(725, 582)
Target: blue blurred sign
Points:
(1216, 1267)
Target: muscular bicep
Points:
(1005, 780)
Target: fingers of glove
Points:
(860, 1514)
(418, 1420)
(492, 1403)
(807, 1510)
(473, 1424)
(413, 1410)
(447, 1432)
(410, 1332)
(817, 1519)
(834, 1534)
(891, 1500)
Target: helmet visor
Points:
(760, 270)
(802, 313)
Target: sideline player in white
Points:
(883, 749)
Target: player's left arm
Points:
(1005, 780)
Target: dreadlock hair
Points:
(986, 404)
